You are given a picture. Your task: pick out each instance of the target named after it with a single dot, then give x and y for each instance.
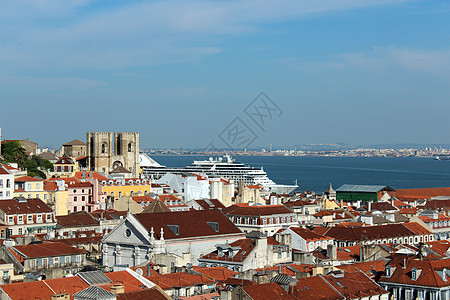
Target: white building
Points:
(189, 185)
(187, 232)
(6, 183)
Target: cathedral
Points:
(109, 151)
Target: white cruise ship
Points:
(224, 167)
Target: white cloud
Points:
(383, 58)
(82, 35)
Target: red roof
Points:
(155, 293)
(218, 273)
(427, 275)
(193, 223)
(27, 178)
(43, 289)
(77, 220)
(46, 249)
(355, 285)
(245, 247)
(87, 174)
(309, 235)
(256, 210)
(268, 291)
(181, 279)
(375, 232)
(28, 206)
(50, 185)
(369, 267)
(315, 287)
(425, 193)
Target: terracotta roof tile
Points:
(256, 210)
(46, 249)
(191, 223)
(28, 206)
(76, 220)
(268, 291)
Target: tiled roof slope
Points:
(13, 206)
(47, 249)
(76, 220)
(375, 232)
(256, 210)
(308, 234)
(429, 274)
(267, 291)
(191, 223)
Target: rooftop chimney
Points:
(118, 288)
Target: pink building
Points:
(84, 195)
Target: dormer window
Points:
(414, 274)
(175, 229)
(388, 271)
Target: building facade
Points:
(107, 151)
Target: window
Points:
(83, 198)
(414, 274)
(29, 196)
(45, 196)
(56, 261)
(74, 209)
(74, 191)
(104, 148)
(39, 217)
(49, 216)
(10, 232)
(75, 199)
(112, 194)
(271, 220)
(264, 221)
(10, 219)
(20, 218)
(29, 218)
(8, 194)
(1, 183)
(129, 147)
(45, 262)
(20, 231)
(50, 197)
(120, 194)
(67, 259)
(37, 186)
(1, 194)
(32, 264)
(29, 186)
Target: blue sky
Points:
(351, 71)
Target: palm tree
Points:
(19, 155)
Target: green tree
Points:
(19, 155)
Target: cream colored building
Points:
(107, 151)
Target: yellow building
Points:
(329, 204)
(57, 196)
(29, 187)
(64, 167)
(126, 187)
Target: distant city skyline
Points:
(182, 73)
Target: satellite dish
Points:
(140, 271)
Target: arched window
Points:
(104, 148)
(129, 147)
